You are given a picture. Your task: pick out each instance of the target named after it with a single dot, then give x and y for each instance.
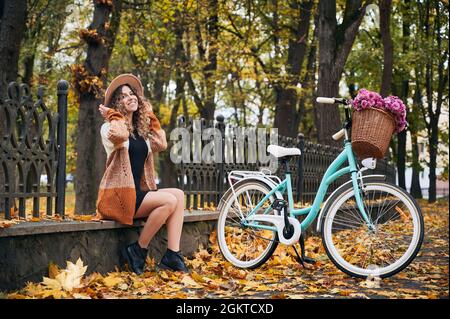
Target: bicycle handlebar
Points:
(325, 100)
(338, 135)
(332, 100)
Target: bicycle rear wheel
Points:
(384, 251)
(246, 246)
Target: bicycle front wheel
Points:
(243, 245)
(383, 251)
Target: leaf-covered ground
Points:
(280, 277)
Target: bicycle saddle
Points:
(279, 151)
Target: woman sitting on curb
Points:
(130, 135)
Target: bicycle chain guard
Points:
(278, 221)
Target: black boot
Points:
(173, 261)
(135, 256)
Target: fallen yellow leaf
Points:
(112, 281)
(191, 283)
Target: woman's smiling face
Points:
(129, 99)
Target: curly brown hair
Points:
(141, 119)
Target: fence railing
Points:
(204, 184)
(440, 192)
(32, 143)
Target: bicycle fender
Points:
(269, 183)
(371, 177)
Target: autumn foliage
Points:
(91, 36)
(85, 82)
(280, 277)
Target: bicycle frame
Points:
(332, 173)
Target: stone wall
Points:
(25, 255)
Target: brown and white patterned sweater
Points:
(117, 195)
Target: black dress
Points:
(138, 152)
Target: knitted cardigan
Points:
(117, 194)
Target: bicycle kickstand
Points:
(302, 246)
(299, 259)
(303, 259)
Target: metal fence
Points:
(204, 184)
(32, 144)
(441, 192)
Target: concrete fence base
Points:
(26, 249)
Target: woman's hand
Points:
(103, 110)
(154, 122)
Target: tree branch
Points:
(349, 27)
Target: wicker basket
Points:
(372, 130)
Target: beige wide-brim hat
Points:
(122, 79)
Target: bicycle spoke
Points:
(374, 250)
(244, 242)
(353, 227)
(249, 201)
(385, 211)
(349, 220)
(355, 213)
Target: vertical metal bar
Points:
(22, 203)
(188, 190)
(63, 88)
(49, 205)
(9, 180)
(196, 185)
(203, 188)
(3, 197)
(301, 146)
(7, 207)
(182, 124)
(21, 187)
(221, 127)
(36, 200)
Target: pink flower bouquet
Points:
(392, 104)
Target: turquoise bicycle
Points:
(369, 227)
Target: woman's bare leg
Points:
(174, 223)
(158, 206)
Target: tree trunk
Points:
(28, 69)
(12, 30)
(335, 42)
(404, 91)
(53, 39)
(352, 90)
(416, 190)
(158, 90)
(308, 84)
(388, 50)
(211, 67)
(434, 111)
(433, 141)
(91, 156)
(401, 158)
(167, 169)
(287, 118)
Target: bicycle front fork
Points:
(357, 187)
